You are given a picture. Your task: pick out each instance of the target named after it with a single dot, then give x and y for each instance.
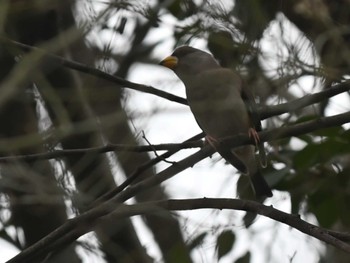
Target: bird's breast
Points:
(217, 106)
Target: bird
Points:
(222, 107)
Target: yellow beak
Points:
(169, 62)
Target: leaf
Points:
(182, 9)
(276, 177)
(291, 180)
(249, 219)
(345, 210)
(320, 153)
(329, 132)
(307, 138)
(326, 210)
(307, 157)
(244, 259)
(175, 8)
(306, 118)
(244, 188)
(225, 242)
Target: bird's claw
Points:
(211, 141)
(253, 134)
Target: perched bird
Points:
(222, 107)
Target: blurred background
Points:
(284, 50)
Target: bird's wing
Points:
(252, 108)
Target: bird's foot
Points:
(253, 134)
(211, 141)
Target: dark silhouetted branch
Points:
(54, 59)
(86, 222)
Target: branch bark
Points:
(85, 222)
(265, 112)
(57, 60)
(102, 149)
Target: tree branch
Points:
(233, 142)
(139, 170)
(84, 223)
(57, 60)
(269, 111)
(265, 112)
(102, 149)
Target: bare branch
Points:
(236, 141)
(266, 112)
(139, 170)
(57, 60)
(84, 223)
(103, 149)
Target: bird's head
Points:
(187, 61)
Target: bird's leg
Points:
(211, 141)
(253, 134)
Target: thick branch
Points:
(85, 223)
(265, 112)
(236, 141)
(57, 60)
(250, 206)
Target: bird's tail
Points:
(262, 154)
(232, 158)
(260, 185)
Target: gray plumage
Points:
(214, 95)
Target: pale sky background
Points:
(165, 122)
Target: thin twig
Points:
(140, 169)
(233, 142)
(102, 149)
(85, 222)
(155, 150)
